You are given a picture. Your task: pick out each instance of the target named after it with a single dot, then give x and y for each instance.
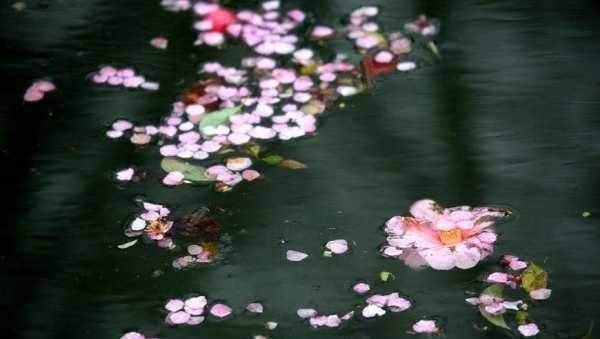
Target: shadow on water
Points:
(508, 116)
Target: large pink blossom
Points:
(442, 238)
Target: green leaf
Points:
(521, 317)
(495, 290)
(327, 254)
(534, 278)
(254, 150)
(190, 172)
(586, 214)
(496, 320)
(589, 332)
(273, 159)
(385, 276)
(217, 118)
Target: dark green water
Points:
(509, 116)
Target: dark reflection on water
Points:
(507, 117)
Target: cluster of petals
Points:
(196, 254)
(235, 171)
(192, 311)
(38, 90)
(377, 305)
(513, 262)
(276, 99)
(494, 305)
(422, 26)
(503, 278)
(125, 77)
(153, 223)
(442, 238)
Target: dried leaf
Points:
(254, 150)
(534, 278)
(292, 164)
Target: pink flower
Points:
(250, 175)
(421, 26)
(443, 238)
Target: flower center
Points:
(450, 238)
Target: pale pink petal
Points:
(338, 246)
(529, 330)
(425, 209)
(173, 178)
(425, 326)
(250, 175)
(174, 305)
(361, 288)
(220, 310)
(295, 255)
(540, 294)
(372, 310)
(255, 308)
(306, 313)
(178, 318)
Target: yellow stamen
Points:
(450, 238)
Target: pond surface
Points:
(508, 117)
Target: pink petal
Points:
(220, 310)
(338, 246)
(174, 305)
(295, 255)
(255, 308)
(529, 330)
(178, 318)
(361, 288)
(173, 178)
(425, 326)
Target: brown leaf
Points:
(292, 164)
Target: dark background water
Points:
(509, 116)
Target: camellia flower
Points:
(442, 238)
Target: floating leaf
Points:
(128, 244)
(327, 254)
(495, 290)
(534, 278)
(254, 150)
(434, 49)
(496, 320)
(521, 317)
(589, 332)
(586, 214)
(273, 159)
(190, 172)
(385, 276)
(292, 164)
(217, 118)
(19, 6)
